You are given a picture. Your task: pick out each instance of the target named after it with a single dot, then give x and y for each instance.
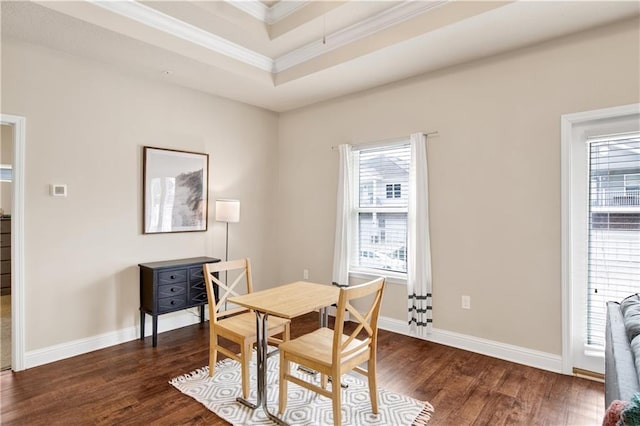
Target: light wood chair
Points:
(236, 324)
(333, 353)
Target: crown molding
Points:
(255, 8)
(383, 20)
(268, 15)
(284, 8)
(155, 19)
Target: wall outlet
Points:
(466, 302)
(305, 274)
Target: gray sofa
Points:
(622, 353)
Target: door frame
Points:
(567, 124)
(18, 124)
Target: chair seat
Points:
(318, 347)
(245, 324)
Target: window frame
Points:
(363, 272)
(621, 119)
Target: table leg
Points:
(261, 355)
(324, 317)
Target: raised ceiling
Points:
(282, 55)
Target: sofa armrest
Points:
(621, 377)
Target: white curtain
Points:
(419, 246)
(342, 245)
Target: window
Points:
(6, 173)
(601, 226)
(613, 250)
(381, 187)
(394, 190)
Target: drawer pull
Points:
(173, 289)
(173, 277)
(173, 302)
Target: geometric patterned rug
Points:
(218, 394)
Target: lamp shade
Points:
(228, 210)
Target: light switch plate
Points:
(58, 190)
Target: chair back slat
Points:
(226, 290)
(366, 320)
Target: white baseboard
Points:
(517, 354)
(520, 355)
(89, 344)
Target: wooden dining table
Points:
(285, 301)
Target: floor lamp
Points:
(227, 211)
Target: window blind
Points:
(381, 207)
(613, 250)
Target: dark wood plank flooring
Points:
(128, 384)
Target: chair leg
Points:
(245, 356)
(213, 354)
(336, 400)
(323, 380)
(282, 393)
(373, 387)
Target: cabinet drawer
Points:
(171, 303)
(172, 290)
(196, 274)
(197, 290)
(5, 281)
(172, 276)
(198, 295)
(5, 267)
(5, 240)
(5, 253)
(5, 226)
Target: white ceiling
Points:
(282, 55)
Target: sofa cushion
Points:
(635, 350)
(630, 308)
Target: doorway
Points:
(601, 227)
(6, 198)
(13, 135)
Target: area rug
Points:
(218, 394)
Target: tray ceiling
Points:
(282, 55)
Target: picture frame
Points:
(175, 190)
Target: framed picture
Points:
(175, 190)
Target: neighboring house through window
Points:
(380, 212)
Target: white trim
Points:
(567, 123)
(155, 19)
(17, 241)
(255, 8)
(93, 343)
(268, 15)
(284, 8)
(371, 274)
(383, 20)
(507, 352)
(491, 348)
(168, 24)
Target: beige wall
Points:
(86, 126)
(494, 173)
(494, 179)
(6, 157)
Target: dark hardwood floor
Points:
(128, 384)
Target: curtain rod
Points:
(389, 140)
